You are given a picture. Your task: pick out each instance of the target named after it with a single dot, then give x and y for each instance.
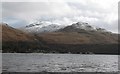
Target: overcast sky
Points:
(100, 13)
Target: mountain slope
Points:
(12, 34)
(14, 40)
(79, 38)
(68, 39)
(80, 33)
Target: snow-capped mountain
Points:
(73, 39)
(82, 26)
(42, 26)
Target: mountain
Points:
(12, 34)
(42, 27)
(80, 33)
(75, 38)
(14, 40)
(82, 26)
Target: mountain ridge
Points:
(67, 39)
(11, 34)
(42, 27)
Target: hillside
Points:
(80, 33)
(75, 38)
(79, 38)
(14, 40)
(12, 34)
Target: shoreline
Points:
(60, 73)
(59, 53)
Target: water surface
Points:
(39, 62)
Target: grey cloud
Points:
(63, 13)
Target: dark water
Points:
(38, 62)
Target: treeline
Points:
(38, 47)
(20, 47)
(86, 48)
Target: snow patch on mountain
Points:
(42, 26)
(83, 25)
(87, 27)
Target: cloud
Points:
(30, 11)
(0, 11)
(102, 13)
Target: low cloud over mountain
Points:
(101, 13)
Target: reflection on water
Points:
(37, 62)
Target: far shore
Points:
(60, 73)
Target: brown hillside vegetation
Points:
(0, 33)
(79, 38)
(12, 34)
